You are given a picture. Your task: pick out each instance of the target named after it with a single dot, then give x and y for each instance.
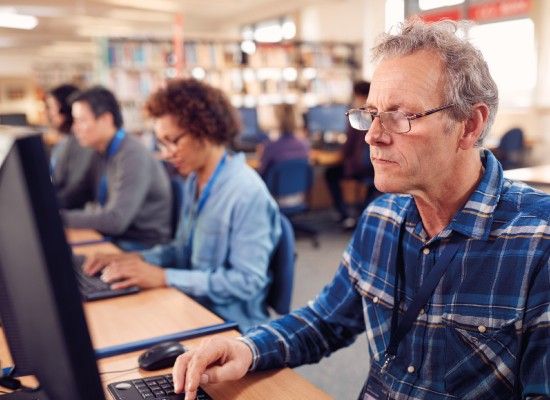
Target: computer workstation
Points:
(44, 319)
(326, 125)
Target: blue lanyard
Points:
(112, 149)
(199, 205)
(398, 331)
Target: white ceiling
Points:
(67, 28)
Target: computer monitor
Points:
(16, 119)
(327, 118)
(40, 306)
(250, 127)
(250, 134)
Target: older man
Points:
(449, 276)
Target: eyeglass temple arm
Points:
(423, 114)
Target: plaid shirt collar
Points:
(476, 217)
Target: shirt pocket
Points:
(480, 356)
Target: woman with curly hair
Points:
(229, 223)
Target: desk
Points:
(163, 311)
(82, 235)
(539, 175)
(316, 157)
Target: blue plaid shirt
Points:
(485, 332)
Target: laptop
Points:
(92, 287)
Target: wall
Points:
(333, 21)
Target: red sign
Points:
(498, 9)
(453, 14)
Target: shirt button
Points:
(410, 369)
(375, 299)
(426, 251)
(482, 329)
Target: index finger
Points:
(208, 353)
(179, 370)
(92, 265)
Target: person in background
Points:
(448, 273)
(229, 223)
(288, 146)
(355, 162)
(69, 162)
(132, 194)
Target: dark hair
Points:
(62, 94)
(101, 100)
(286, 118)
(361, 88)
(198, 108)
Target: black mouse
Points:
(162, 355)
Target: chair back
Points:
(281, 269)
(177, 198)
(511, 149)
(289, 182)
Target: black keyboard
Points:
(92, 287)
(155, 387)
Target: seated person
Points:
(132, 202)
(288, 146)
(69, 162)
(447, 276)
(229, 223)
(355, 162)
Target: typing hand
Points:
(133, 271)
(94, 264)
(216, 359)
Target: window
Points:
(512, 62)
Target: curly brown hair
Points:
(198, 108)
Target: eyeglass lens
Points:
(393, 121)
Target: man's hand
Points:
(94, 264)
(133, 271)
(216, 359)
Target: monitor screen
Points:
(327, 118)
(40, 305)
(249, 120)
(18, 119)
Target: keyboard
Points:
(92, 287)
(155, 387)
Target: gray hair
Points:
(467, 77)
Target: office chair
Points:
(289, 182)
(177, 198)
(511, 149)
(281, 269)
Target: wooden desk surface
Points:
(316, 157)
(539, 175)
(164, 311)
(81, 235)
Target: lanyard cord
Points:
(196, 209)
(398, 331)
(112, 149)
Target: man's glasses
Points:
(392, 121)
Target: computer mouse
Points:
(162, 355)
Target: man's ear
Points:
(106, 119)
(473, 126)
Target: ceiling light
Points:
(17, 21)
